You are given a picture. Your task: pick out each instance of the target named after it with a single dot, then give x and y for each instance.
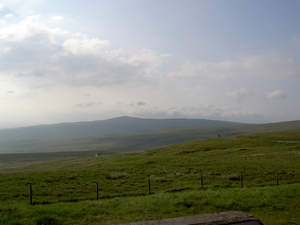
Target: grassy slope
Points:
(140, 140)
(174, 173)
(119, 125)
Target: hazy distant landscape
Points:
(31, 145)
(119, 125)
(124, 133)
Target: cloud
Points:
(85, 46)
(269, 66)
(31, 26)
(58, 18)
(4, 49)
(241, 94)
(9, 15)
(146, 55)
(36, 55)
(85, 105)
(220, 70)
(141, 103)
(1, 6)
(277, 94)
(208, 111)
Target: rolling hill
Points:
(146, 139)
(119, 125)
(251, 173)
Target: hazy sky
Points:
(74, 60)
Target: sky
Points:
(73, 60)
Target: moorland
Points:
(121, 135)
(256, 173)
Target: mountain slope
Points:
(119, 125)
(141, 140)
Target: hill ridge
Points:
(117, 125)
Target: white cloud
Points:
(147, 60)
(220, 70)
(1, 6)
(206, 111)
(85, 105)
(277, 94)
(86, 46)
(241, 94)
(31, 26)
(9, 15)
(58, 18)
(4, 49)
(197, 90)
(37, 55)
(270, 66)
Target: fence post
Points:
(30, 194)
(277, 178)
(97, 190)
(244, 156)
(149, 187)
(201, 179)
(242, 180)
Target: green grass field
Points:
(64, 192)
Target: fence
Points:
(150, 186)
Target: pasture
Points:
(64, 191)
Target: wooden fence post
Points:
(97, 190)
(149, 187)
(242, 180)
(277, 178)
(201, 179)
(30, 194)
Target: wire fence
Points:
(110, 188)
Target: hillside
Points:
(190, 178)
(119, 125)
(140, 140)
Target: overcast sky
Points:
(74, 60)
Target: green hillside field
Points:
(255, 173)
(139, 140)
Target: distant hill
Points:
(119, 125)
(139, 140)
